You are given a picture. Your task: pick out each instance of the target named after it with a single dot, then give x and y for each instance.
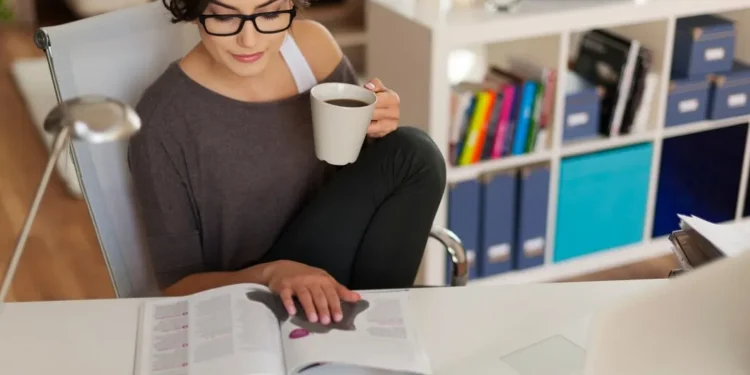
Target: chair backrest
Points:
(117, 54)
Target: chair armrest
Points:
(454, 247)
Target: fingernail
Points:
(370, 86)
(337, 317)
(325, 319)
(313, 318)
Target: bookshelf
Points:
(419, 36)
(345, 19)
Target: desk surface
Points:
(97, 337)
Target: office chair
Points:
(119, 54)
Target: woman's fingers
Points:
(304, 297)
(287, 298)
(375, 85)
(347, 295)
(385, 113)
(381, 128)
(321, 303)
(334, 302)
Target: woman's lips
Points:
(248, 58)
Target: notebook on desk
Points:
(692, 249)
(700, 242)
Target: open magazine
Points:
(244, 329)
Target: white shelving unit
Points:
(409, 43)
(345, 21)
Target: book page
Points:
(221, 331)
(730, 239)
(376, 332)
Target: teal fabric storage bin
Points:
(602, 201)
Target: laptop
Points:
(695, 324)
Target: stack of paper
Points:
(730, 239)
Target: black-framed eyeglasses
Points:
(232, 24)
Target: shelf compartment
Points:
(502, 100)
(602, 201)
(653, 40)
(726, 96)
(699, 175)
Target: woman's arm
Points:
(328, 61)
(162, 188)
(258, 274)
(169, 214)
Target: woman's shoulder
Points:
(322, 52)
(160, 100)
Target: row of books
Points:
(621, 69)
(506, 114)
(510, 112)
(501, 219)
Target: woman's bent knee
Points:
(422, 153)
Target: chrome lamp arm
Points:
(92, 119)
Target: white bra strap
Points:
(301, 71)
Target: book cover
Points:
(492, 127)
(464, 129)
(510, 132)
(526, 107)
(535, 118)
(484, 100)
(509, 100)
(483, 127)
(604, 61)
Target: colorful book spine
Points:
(511, 131)
(509, 99)
(548, 104)
(463, 126)
(526, 108)
(492, 126)
(477, 127)
(536, 118)
(484, 120)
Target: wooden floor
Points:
(62, 258)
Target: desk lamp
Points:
(508, 6)
(92, 119)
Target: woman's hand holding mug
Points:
(387, 112)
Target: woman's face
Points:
(246, 53)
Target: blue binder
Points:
(498, 224)
(463, 220)
(531, 240)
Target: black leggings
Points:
(369, 225)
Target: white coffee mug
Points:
(341, 113)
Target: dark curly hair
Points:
(189, 10)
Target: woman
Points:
(230, 188)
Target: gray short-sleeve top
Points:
(218, 179)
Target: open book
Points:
(245, 330)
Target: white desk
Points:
(97, 337)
